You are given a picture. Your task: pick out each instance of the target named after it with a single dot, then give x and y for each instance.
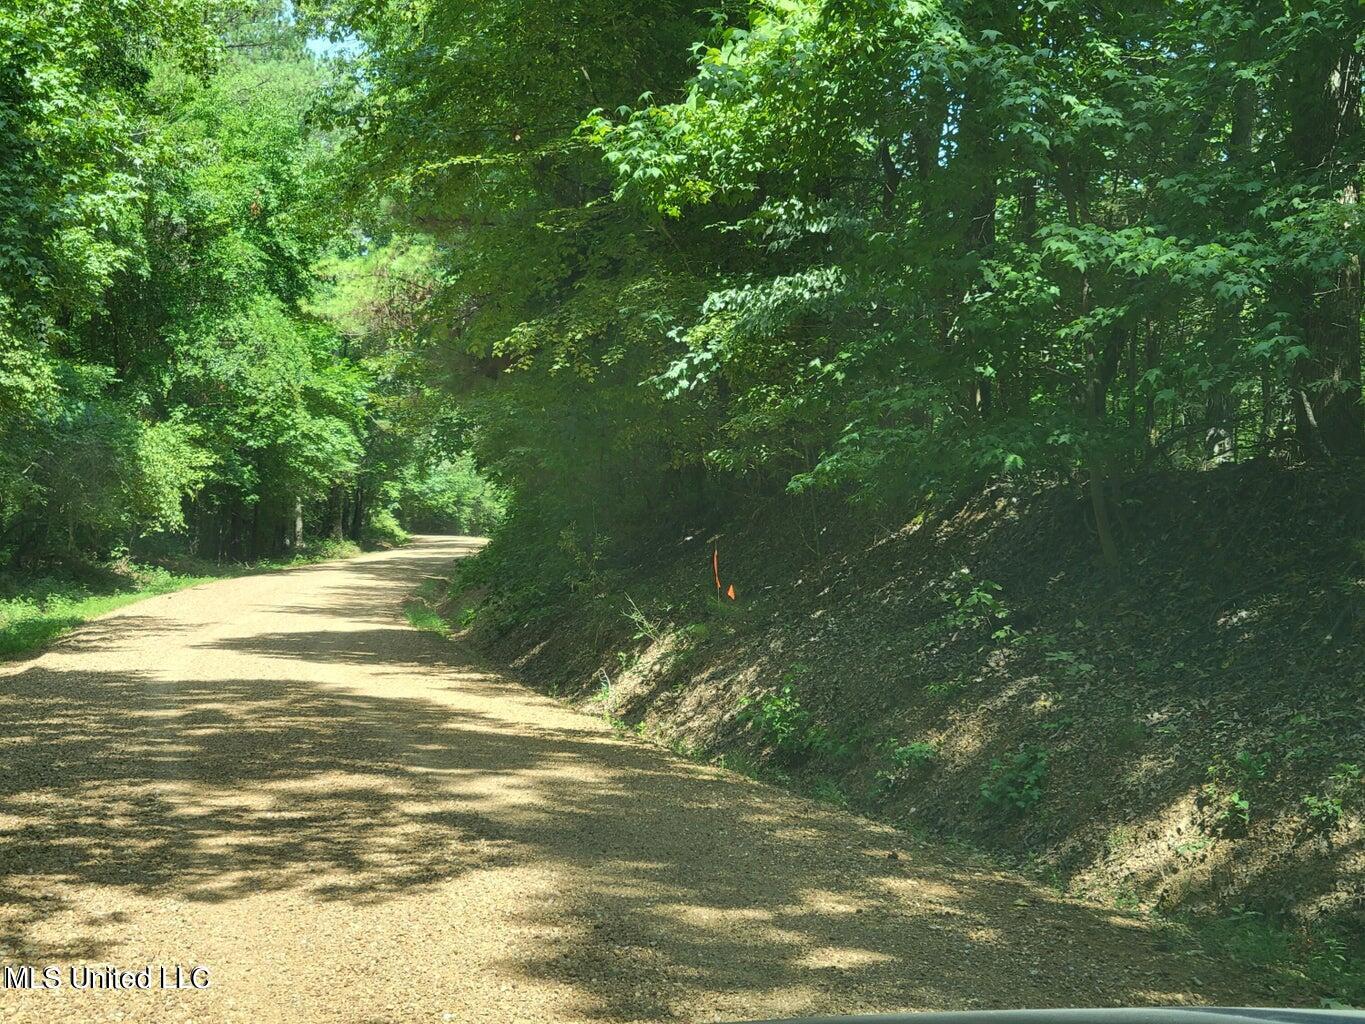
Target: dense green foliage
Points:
(691, 259)
(177, 356)
(648, 261)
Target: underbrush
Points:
(323, 549)
(1325, 961)
(423, 609)
(385, 531)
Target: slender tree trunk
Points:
(1096, 460)
(257, 548)
(1096, 384)
(1323, 138)
(337, 504)
(358, 513)
(1221, 407)
(976, 162)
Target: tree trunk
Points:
(358, 513)
(1221, 408)
(337, 504)
(1097, 386)
(1323, 137)
(976, 163)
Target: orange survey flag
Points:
(715, 571)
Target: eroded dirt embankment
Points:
(347, 819)
(1191, 739)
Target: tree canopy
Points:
(631, 260)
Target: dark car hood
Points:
(1147, 1015)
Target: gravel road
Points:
(346, 819)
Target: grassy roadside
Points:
(37, 609)
(423, 610)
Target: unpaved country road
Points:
(345, 819)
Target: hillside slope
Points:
(1190, 738)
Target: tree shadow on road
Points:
(678, 889)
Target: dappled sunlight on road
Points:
(348, 819)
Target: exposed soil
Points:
(347, 819)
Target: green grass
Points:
(46, 608)
(420, 608)
(422, 617)
(35, 610)
(1327, 962)
(1320, 962)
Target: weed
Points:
(1231, 810)
(1320, 956)
(1070, 664)
(687, 649)
(975, 604)
(1057, 726)
(904, 760)
(684, 749)
(1326, 809)
(944, 688)
(1304, 739)
(732, 616)
(827, 791)
(426, 618)
(695, 633)
(1192, 848)
(1251, 766)
(1347, 774)
(792, 729)
(742, 763)
(604, 694)
(906, 756)
(1122, 837)
(1015, 784)
(1127, 899)
(645, 627)
(586, 561)
(1228, 791)
(1324, 812)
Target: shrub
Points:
(1228, 792)
(916, 754)
(1324, 812)
(1015, 784)
(384, 530)
(975, 604)
(790, 728)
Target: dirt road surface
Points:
(346, 819)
